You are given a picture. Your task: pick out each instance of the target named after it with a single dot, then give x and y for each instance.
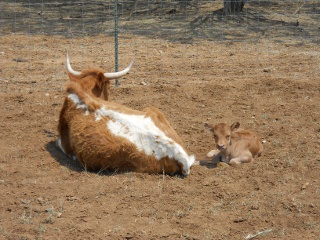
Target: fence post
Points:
(116, 37)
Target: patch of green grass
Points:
(276, 143)
(41, 229)
(180, 214)
(265, 117)
(116, 229)
(53, 213)
(310, 225)
(26, 217)
(3, 232)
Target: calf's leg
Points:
(244, 158)
(212, 153)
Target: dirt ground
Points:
(45, 195)
(271, 87)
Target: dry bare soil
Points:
(272, 88)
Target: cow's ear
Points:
(101, 79)
(106, 90)
(72, 77)
(235, 126)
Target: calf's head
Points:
(95, 82)
(221, 133)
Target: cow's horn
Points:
(114, 75)
(70, 70)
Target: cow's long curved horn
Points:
(119, 74)
(70, 70)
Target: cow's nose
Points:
(185, 172)
(220, 146)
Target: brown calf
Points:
(235, 145)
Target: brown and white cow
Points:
(234, 145)
(104, 135)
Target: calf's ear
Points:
(235, 126)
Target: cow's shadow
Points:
(62, 158)
(69, 162)
(75, 165)
(207, 164)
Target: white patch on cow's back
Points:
(145, 135)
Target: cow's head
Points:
(221, 133)
(94, 81)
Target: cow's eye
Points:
(215, 136)
(228, 136)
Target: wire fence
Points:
(31, 30)
(180, 20)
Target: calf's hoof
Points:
(212, 153)
(223, 165)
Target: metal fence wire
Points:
(167, 21)
(180, 20)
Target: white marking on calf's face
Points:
(221, 134)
